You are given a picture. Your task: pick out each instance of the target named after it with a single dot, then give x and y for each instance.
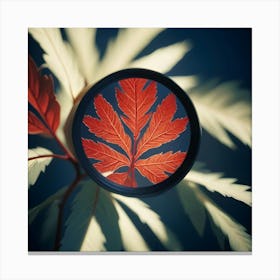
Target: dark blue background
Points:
(223, 54)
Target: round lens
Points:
(136, 132)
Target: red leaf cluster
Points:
(150, 130)
(41, 97)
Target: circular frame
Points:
(192, 151)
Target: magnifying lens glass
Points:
(136, 133)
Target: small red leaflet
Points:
(109, 126)
(35, 126)
(41, 97)
(135, 103)
(109, 158)
(149, 130)
(156, 166)
(161, 128)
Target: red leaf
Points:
(122, 178)
(109, 159)
(41, 97)
(155, 167)
(108, 126)
(135, 102)
(35, 126)
(162, 129)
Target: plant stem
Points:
(132, 165)
(68, 192)
(70, 156)
(61, 209)
(65, 157)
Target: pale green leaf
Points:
(94, 238)
(32, 213)
(79, 218)
(92, 224)
(132, 239)
(214, 182)
(239, 239)
(186, 82)
(36, 166)
(163, 59)
(83, 42)
(224, 108)
(152, 219)
(105, 219)
(219, 235)
(124, 48)
(66, 106)
(46, 228)
(49, 225)
(59, 59)
(192, 206)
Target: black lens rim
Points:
(173, 179)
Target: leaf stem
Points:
(65, 157)
(132, 180)
(69, 155)
(68, 192)
(66, 195)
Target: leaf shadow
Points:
(107, 218)
(148, 235)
